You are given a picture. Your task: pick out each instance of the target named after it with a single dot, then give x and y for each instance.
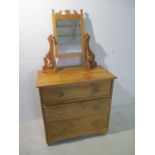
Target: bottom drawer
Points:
(61, 130)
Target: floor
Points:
(118, 141)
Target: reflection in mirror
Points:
(69, 37)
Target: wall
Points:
(111, 26)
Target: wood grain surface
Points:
(72, 75)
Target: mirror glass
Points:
(69, 37)
(72, 61)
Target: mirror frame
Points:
(53, 53)
(67, 15)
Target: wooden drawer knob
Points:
(60, 94)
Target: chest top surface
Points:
(72, 75)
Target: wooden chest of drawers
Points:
(75, 102)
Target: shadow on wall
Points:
(121, 96)
(97, 49)
(122, 118)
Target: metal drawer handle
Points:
(62, 112)
(60, 94)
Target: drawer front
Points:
(54, 95)
(76, 109)
(61, 130)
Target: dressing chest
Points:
(75, 100)
(75, 105)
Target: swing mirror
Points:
(68, 31)
(69, 45)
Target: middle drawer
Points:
(76, 109)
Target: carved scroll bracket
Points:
(89, 55)
(49, 60)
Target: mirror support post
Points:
(89, 55)
(50, 59)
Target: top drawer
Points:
(59, 94)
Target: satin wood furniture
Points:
(75, 101)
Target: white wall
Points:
(111, 26)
